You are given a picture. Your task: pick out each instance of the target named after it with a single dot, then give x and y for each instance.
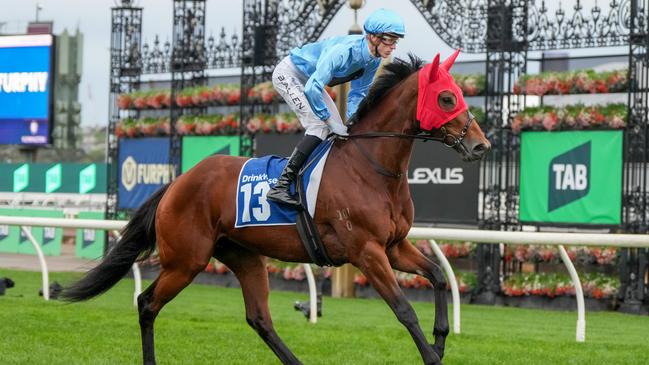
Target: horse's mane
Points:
(393, 73)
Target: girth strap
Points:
(308, 231)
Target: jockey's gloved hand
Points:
(337, 127)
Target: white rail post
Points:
(138, 282)
(41, 258)
(579, 293)
(137, 276)
(455, 292)
(313, 296)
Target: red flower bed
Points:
(547, 253)
(288, 271)
(596, 286)
(471, 85)
(574, 82)
(466, 281)
(201, 96)
(286, 123)
(570, 118)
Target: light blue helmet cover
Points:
(385, 21)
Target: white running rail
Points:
(41, 259)
(431, 234)
(529, 238)
(455, 291)
(137, 275)
(114, 226)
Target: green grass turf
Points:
(205, 324)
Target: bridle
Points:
(447, 139)
(457, 141)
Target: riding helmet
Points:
(385, 21)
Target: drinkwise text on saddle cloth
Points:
(257, 178)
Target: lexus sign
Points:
(444, 188)
(437, 175)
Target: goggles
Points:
(389, 41)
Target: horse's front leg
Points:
(373, 262)
(405, 257)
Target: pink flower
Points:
(617, 122)
(536, 86)
(470, 87)
(570, 121)
(287, 274)
(298, 273)
(550, 121)
(254, 124)
(424, 247)
(518, 89)
(517, 124)
(584, 118)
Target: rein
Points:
(449, 140)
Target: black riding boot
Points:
(281, 192)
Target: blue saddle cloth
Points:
(259, 175)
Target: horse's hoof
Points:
(439, 351)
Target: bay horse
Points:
(364, 212)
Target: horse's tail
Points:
(138, 241)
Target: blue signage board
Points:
(26, 89)
(143, 169)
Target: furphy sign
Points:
(26, 88)
(444, 188)
(23, 82)
(143, 169)
(134, 173)
(571, 177)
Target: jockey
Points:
(300, 79)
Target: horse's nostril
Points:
(480, 148)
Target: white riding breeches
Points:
(289, 83)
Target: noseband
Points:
(447, 139)
(452, 141)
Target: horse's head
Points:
(442, 111)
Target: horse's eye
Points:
(447, 101)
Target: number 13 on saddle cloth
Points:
(259, 175)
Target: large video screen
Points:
(26, 89)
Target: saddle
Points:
(256, 178)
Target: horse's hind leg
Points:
(147, 316)
(250, 269)
(405, 257)
(175, 274)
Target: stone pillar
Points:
(342, 281)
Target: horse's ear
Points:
(434, 68)
(448, 63)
